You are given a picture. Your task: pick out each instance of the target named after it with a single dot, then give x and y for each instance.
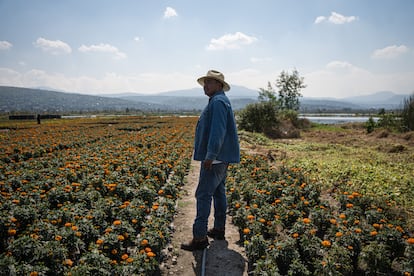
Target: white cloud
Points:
(169, 12)
(320, 19)
(341, 79)
(260, 59)
(231, 41)
(389, 52)
(55, 47)
(336, 18)
(103, 48)
(5, 45)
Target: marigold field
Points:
(97, 196)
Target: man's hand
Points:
(208, 164)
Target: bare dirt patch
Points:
(223, 257)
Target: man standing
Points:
(216, 145)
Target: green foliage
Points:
(289, 86)
(258, 117)
(290, 228)
(274, 107)
(370, 125)
(407, 114)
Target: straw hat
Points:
(213, 74)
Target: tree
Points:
(288, 93)
(289, 86)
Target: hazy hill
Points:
(14, 99)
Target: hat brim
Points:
(226, 86)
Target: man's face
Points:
(211, 86)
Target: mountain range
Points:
(29, 100)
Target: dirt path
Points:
(223, 257)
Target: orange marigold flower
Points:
(373, 233)
(295, 235)
(121, 238)
(262, 220)
(144, 242)
(129, 260)
(342, 216)
(117, 222)
(349, 205)
(58, 238)
(376, 225)
(338, 234)
(332, 221)
(237, 205)
(68, 262)
(326, 243)
(358, 230)
(246, 231)
(124, 256)
(306, 220)
(148, 249)
(250, 217)
(151, 254)
(11, 232)
(410, 240)
(99, 241)
(114, 251)
(68, 224)
(74, 228)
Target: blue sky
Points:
(341, 47)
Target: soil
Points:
(223, 257)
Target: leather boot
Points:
(195, 244)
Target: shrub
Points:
(258, 117)
(407, 114)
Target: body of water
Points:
(337, 119)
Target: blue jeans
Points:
(211, 185)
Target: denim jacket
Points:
(216, 133)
